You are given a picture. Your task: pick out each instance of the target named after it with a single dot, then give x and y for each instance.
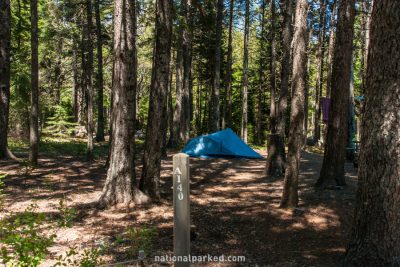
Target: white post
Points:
(181, 179)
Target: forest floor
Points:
(234, 210)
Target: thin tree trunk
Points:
(227, 111)
(187, 72)
(245, 74)
(34, 118)
(120, 185)
(368, 31)
(156, 123)
(375, 238)
(310, 34)
(275, 165)
(87, 66)
(170, 106)
(320, 73)
(5, 47)
(58, 72)
(259, 119)
(217, 68)
(198, 106)
(296, 131)
(334, 153)
(100, 83)
(272, 75)
(330, 50)
(179, 125)
(76, 96)
(285, 67)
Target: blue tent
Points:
(224, 143)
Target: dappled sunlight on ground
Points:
(234, 209)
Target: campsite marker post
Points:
(181, 175)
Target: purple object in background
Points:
(325, 102)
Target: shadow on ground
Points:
(234, 210)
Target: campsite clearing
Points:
(234, 210)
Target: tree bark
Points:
(285, 67)
(100, 83)
(227, 111)
(368, 30)
(272, 75)
(245, 82)
(296, 131)
(156, 123)
(5, 47)
(181, 122)
(259, 119)
(275, 165)
(77, 89)
(187, 72)
(217, 68)
(87, 67)
(334, 152)
(375, 238)
(306, 94)
(330, 50)
(320, 73)
(34, 118)
(120, 185)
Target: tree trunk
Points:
(87, 67)
(275, 165)
(100, 83)
(170, 107)
(320, 73)
(245, 75)
(285, 67)
(368, 30)
(296, 131)
(330, 50)
(5, 47)
(156, 123)
(334, 153)
(272, 75)
(227, 111)
(120, 185)
(375, 238)
(77, 89)
(180, 126)
(306, 94)
(259, 119)
(58, 79)
(217, 68)
(177, 133)
(187, 71)
(34, 118)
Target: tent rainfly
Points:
(220, 144)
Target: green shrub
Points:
(61, 124)
(90, 257)
(140, 239)
(68, 215)
(21, 242)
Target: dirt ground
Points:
(234, 210)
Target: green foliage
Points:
(60, 124)
(67, 215)
(22, 244)
(89, 257)
(67, 259)
(140, 239)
